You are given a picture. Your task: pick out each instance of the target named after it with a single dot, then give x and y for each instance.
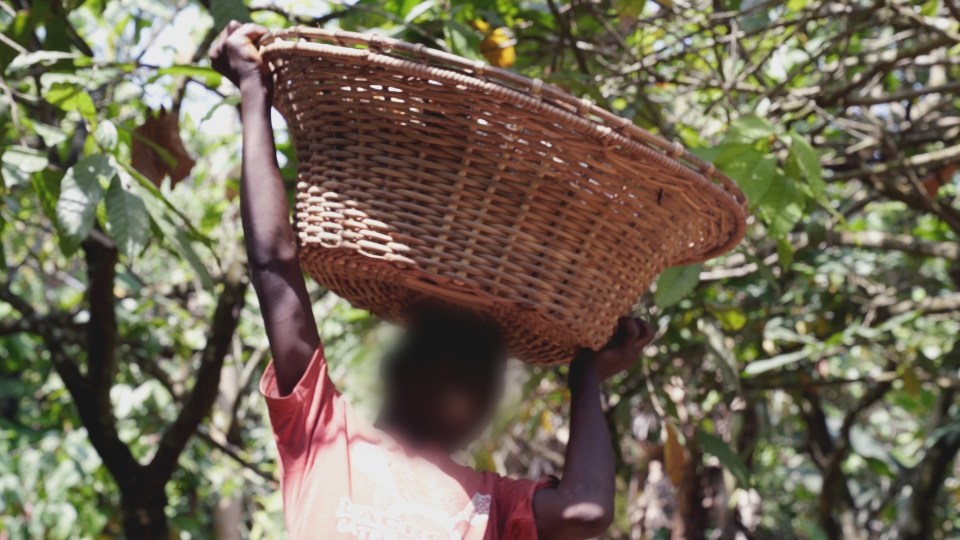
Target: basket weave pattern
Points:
(426, 175)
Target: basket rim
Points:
(579, 114)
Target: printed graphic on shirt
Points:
(408, 504)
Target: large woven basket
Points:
(423, 175)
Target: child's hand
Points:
(236, 53)
(621, 352)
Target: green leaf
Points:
(177, 237)
(749, 129)
(208, 75)
(762, 366)
(785, 252)
(127, 219)
(3, 251)
(401, 8)
(51, 135)
(930, 8)
(229, 101)
(46, 186)
(19, 163)
(675, 284)
(948, 432)
(730, 460)
(224, 11)
(806, 159)
(782, 206)
(185, 249)
(726, 361)
(752, 169)
(69, 97)
(731, 318)
(106, 135)
(80, 192)
(418, 10)
(463, 40)
(157, 195)
(44, 58)
(868, 446)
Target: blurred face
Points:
(443, 384)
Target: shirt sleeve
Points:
(515, 506)
(301, 416)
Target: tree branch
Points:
(821, 446)
(839, 96)
(904, 95)
(16, 326)
(737, 265)
(61, 320)
(566, 33)
(92, 401)
(101, 257)
(218, 441)
(94, 406)
(65, 367)
(204, 392)
(943, 156)
(828, 453)
(945, 303)
(317, 22)
(895, 242)
(953, 8)
(915, 522)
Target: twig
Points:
(12, 44)
(945, 303)
(566, 34)
(234, 453)
(893, 242)
(900, 96)
(934, 158)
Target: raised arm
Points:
(581, 506)
(271, 245)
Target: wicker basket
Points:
(426, 175)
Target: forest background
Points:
(806, 385)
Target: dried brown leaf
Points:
(674, 455)
(158, 150)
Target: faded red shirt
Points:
(342, 478)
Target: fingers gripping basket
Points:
(426, 175)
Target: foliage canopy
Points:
(806, 385)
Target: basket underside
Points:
(393, 293)
(417, 182)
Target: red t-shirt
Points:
(342, 478)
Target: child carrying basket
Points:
(491, 215)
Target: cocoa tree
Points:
(804, 385)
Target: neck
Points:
(410, 434)
(397, 427)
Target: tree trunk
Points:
(228, 513)
(692, 519)
(143, 514)
(228, 518)
(918, 520)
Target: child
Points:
(344, 478)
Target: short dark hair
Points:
(471, 341)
